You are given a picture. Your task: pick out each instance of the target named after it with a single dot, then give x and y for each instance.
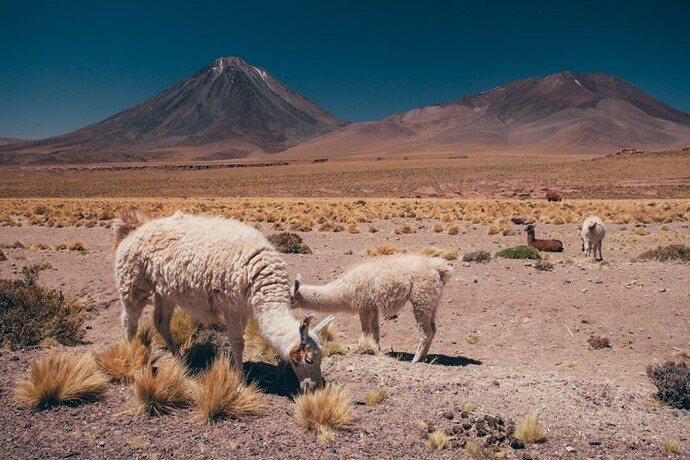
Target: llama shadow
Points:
(436, 360)
(273, 379)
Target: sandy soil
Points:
(510, 339)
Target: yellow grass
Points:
(62, 378)
(123, 361)
(254, 339)
(221, 392)
(325, 409)
(671, 446)
(438, 439)
(168, 389)
(530, 430)
(383, 250)
(377, 396)
(183, 328)
(367, 345)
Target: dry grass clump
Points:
(253, 338)
(671, 446)
(504, 226)
(543, 265)
(454, 229)
(672, 382)
(62, 378)
(673, 252)
(438, 439)
(76, 246)
(289, 243)
(123, 361)
(161, 392)
(366, 345)
(30, 313)
(404, 228)
(324, 410)
(221, 392)
(383, 250)
(183, 328)
(328, 336)
(377, 396)
(477, 256)
(530, 430)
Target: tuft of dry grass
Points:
(438, 439)
(221, 392)
(530, 430)
(123, 361)
(383, 250)
(254, 339)
(468, 406)
(477, 451)
(671, 446)
(673, 252)
(599, 342)
(183, 328)
(324, 410)
(672, 381)
(366, 345)
(377, 396)
(404, 229)
(62, 378)
(161, 392)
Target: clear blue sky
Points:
(67, 64)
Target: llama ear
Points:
(298, 282)
(325, 322)
(304, 329)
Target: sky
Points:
(67, 64)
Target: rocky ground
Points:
(511, 339)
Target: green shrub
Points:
(519, 252)
(672, 382)
(667, 253)
(289, 243)
(477, 256)
(30, 313)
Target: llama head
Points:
(305, 357)
(530, 228)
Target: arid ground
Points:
(511, 339)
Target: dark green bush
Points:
(672, 382)
(289, 243)
(477, 256)
(519, 252)
(667, 253)
(30, 313)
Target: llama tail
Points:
(127, 221)
(444, 269)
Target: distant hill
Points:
(229, 109)
(560, 113)
(11, 140)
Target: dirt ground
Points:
(511, 339)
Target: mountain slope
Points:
(560, 113)
(228, 109)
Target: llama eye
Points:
(308, 360)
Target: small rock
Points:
(517, 444)
(662, 290)
(570, 449)
(526, 456)
(118, 433)
(594, 442)
(583, 290)
(101, 443)
(466, 426)
(448, 415)
(14, 358)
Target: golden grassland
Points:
(335, 214)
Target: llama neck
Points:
(327, 298)
(530, 238)
(278, 326)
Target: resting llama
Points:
(593, 233)
(212, 267)
(542, 245)
(383, 285)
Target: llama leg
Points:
(598, 247)
(369, 318)
(426, 323)
(132, 308)
(236, 337)
(162, 314)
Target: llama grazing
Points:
(592, 233)
(212, 268)
(383, 285)
(542, 245)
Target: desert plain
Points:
(512, 339)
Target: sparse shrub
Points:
(599, 342)
(377, 396)
(164, 391)
(437, 228)
(519, 252)
(30, 313)
(324, 410)
(672, 382)
(543, 265)
(289, 243)
(222, 393)
(62, 379)
(452, 228)
(673, 252)
(123, 361)
(404, 228)
(530, 430)
(477, 256)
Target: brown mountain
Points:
(229, 109)
(560, 113)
